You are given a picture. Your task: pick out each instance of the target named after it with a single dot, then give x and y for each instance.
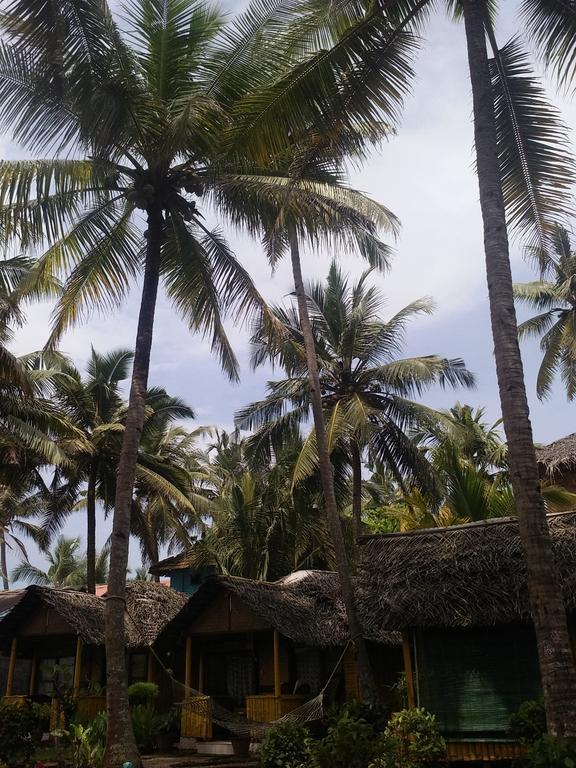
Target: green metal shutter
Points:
(472, 680)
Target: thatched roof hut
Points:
(8, 599)
(464, 576)
(558, 457)
(305, 606)
(149, 608)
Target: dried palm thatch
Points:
(305, 606)
(462, 576)
(558, 456)
(8, 599)
(149, 608)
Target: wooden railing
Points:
(196, 717)
(483, 751)
(89, 706)
(265, 707)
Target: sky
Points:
(425, 176)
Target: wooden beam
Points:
(11, 667)
(77, 666)
(33, 666)
(150, 671)
(408, 670)
(277, 670)
(201, 673)
(188, 665)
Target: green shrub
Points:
(411, 740)
(549, 752)
(142, 693)
(87, 747)
(284, 746)
(351, 742)
(376, 715)
(146, 723)
(18, 725)
(528, 725)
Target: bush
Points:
(88, 746)
(549, 752)
(376, 715)
(284, 746)
(142, 693)
(411, 740)
(18, 724)
(146, 724)
(351, 742)
(528, 725)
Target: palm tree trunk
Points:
(3, 559)
(366, 676)
(91, 527)
(548, 611)
(356, 462)
(121, 746)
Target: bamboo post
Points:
(11, 667)
(150, 672)
(32, 685)
(408, 670)
(201, 673)
(277, 673)
(188, 666)
(77, 666)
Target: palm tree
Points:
(364, 385)
(555, 302)
(189, 111)
(96, 406)
(66, 566)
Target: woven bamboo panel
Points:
(196, 720)
(89, 706)
(470, 751)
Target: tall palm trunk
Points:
(3, 559)
(548, 612)
(91, 527)
(356, 462)
(121, 746)
(366, 676)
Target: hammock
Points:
(202, 709)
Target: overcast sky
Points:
(425, 175)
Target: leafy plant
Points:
(411, 739)
(528, 724)
(284, 746)
(350, 743)
(142, 693)
(549, 752)
(146, 723)
(375, 714)
(17, 726)
(87, 747)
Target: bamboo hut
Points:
(557, 462)
(263, 649)
(459, 596)
(56, 636)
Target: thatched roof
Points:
(8, 599)
(462, 576)
(149, 608)
(174, 563)
(305, 606)
(559, 455)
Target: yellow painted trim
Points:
(277, 669)
(77, 666)
(11, 667)
(188, 664)
(408, 670)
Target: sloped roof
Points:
(305, 606)
(461, 576)
(561, 454)
(149, 608)
(8, 599)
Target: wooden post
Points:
(277, 673)
(33, 666)
(188, 667)
(201, 673)
(150, 672)
(408, 670)
(77, 666)
(11, 667)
